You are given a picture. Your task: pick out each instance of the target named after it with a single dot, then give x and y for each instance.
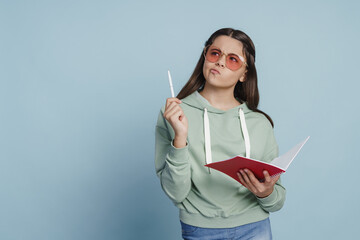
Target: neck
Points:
(220, 98)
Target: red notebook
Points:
(277, 166)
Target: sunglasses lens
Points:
(233, 62)
(213, 55)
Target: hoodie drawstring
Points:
(245, 133)
(208, 155)
(244, 129)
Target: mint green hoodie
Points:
(208, 198)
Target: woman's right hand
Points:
(177, 119)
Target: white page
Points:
(284, 160)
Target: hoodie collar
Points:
(197, 101)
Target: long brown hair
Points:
(246, 91)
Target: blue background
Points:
(82, 82)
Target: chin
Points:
(216, 81)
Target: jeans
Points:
(256, 231)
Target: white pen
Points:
(171, 85)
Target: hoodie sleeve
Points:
(276, 199)
(171, 164)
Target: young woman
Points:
(216, 119)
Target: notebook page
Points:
(284, 160)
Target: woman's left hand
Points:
(260, 189)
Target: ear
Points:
(243, 77)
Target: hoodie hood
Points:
(195, 100)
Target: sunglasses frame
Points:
(226, 54)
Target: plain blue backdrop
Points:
(82, 82)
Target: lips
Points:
(214, 71)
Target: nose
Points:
(221, 62)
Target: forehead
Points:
(229, 45)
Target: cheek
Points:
(205, 69)
(232, 76)
(206, 66)
(240, 74)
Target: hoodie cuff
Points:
(178, 155)
(269, 200)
